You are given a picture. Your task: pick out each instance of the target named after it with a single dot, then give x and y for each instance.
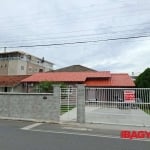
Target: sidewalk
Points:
(104, 126)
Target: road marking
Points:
(86, 134)
(29, 127)
(75, 128)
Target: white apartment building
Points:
(21, 63)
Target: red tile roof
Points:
(121, 79)
(95, 79)
(11, 80)
(66, 76)
(116, 80)
(98, 82)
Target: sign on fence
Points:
(129, 96)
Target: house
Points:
(75, 68)
(21, 63)
(104, 79)
(12, 83)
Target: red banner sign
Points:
(129, 96)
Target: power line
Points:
(96, 35)
(77, 42)
(30, 38)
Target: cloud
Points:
(56, 21)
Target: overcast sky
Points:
(34, 22)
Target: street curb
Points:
(105, 126)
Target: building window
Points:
(30, 69)
(22, 67)
(36, 70)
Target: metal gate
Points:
(68, 104)
(125, 106)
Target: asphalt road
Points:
(20, 135)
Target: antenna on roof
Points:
(42, 60)
(5, 49)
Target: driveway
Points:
(117, 116)
(110, 116)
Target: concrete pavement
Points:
(134, 117)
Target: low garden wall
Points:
(39, 107)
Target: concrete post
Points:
(57, 97)
(56, 90)
(80, 103)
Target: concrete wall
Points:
(40, 107)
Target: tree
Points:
(143, 80)
(47, 86)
